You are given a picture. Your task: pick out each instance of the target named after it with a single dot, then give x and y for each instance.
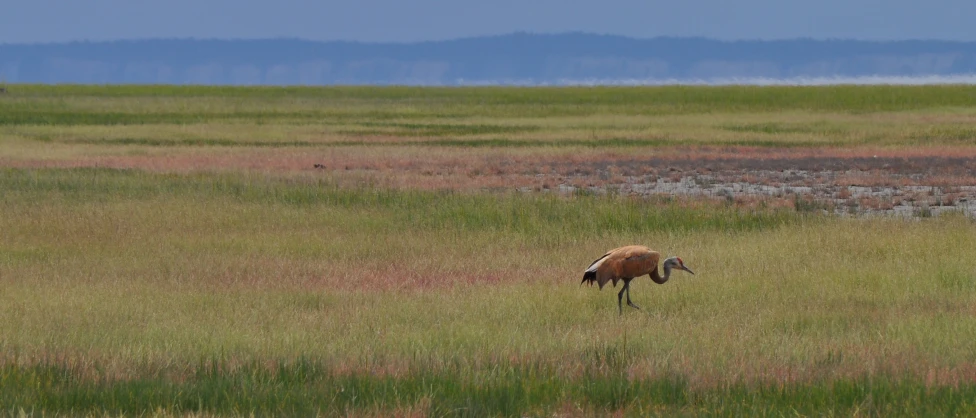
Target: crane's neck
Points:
(657, 277)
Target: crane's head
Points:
(676, 263)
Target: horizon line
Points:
(801, 81)
(488, 36)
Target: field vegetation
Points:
(197, 251)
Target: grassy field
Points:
(488, 117)
(171, 251)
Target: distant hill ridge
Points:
(520, 58)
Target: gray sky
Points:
(29, 21)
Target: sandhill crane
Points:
(626, 263)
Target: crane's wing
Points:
(637, 260)
(635, 252)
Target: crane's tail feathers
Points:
(589, 276)
(596, 264)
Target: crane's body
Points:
(626, 263)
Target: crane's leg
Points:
(628, 297)
(620, 298)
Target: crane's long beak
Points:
(688, 270)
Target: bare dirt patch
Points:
(910, 183)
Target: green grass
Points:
(437, 129)
(100, 105)
(496, 143)
(307, 388)
(127, 292)
(518, 212)
(552, 100)
(115, 119)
